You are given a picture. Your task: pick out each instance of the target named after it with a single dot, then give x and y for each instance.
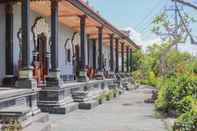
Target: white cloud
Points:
(137, 38)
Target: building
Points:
(56, 56)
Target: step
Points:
(89, 104)
(60, 110)
(17, 112)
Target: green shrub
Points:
(101, 97)
(165, 101)
(115, 92)
(187, 86)
(185, 104)
(152, 80)
(195, 70)
(174, 93)
(108, 94)
(186, 122)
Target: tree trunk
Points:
(162, 64)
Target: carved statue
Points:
(68, 51)
(75, 46)
(41, 52)
(40, 27)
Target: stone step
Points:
(61, 110)
(89, 104)
(20, 113)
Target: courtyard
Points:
(127, 112)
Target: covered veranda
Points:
(91, 81)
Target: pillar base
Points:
(9, 81)
(26, 80)
(55, 102)
(54, 98)
(54, 80)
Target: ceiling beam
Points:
(70, 15)
(104, 38)
(78, 26)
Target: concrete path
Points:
(125, 113)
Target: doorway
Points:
(41, 62)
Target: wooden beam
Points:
(104, 38)
(69, 15)
(85, 26)
(96, 34)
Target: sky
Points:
(137, 16)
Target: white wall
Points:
(64, 33)
(106, 52)
(65, 67)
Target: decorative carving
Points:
(68, 50)
(19, 37)
(75, 40)
(42, 44)
(73, 45)
(40, 26)
(70, 45)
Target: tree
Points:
(164, 27)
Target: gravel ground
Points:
(128, 112)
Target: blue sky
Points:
(129, 13)
(136, 14)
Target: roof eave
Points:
(89, 12)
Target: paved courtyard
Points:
(125, 113)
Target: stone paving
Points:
(125, 113)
